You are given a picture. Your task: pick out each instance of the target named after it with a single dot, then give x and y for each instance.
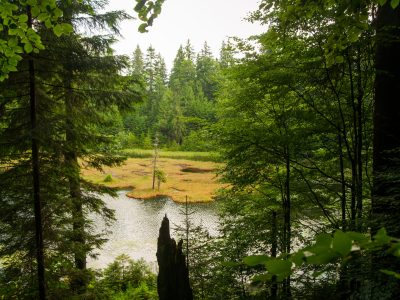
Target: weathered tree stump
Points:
(173, 275)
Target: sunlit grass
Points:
(137, 174)
(197, 156)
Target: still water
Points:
(135, 230)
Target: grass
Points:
(188, 155)
(137, 174)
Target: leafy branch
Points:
(148, 11)
(19, 36)
(327, 249)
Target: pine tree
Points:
(207, 73)
(137, 63)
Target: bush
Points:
(108, 178)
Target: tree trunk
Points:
(343, 182)
(274, 247)
(36, 175)
(79, 282)
(287, 221)
(173, 276)
(386, 145)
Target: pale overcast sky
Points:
(198, 20)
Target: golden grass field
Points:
(199, 184)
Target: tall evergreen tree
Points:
(207, 72)
(137, 63)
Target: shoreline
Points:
(161, 196)
(195, 179)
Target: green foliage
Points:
(75, 108)
(108, 178)
(147, 12)
(340, 247)
(190, 155)
(178, 109)
(18, 36)
(125, 279)
(160, 176)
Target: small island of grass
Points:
(184, 177)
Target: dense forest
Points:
(305, 119)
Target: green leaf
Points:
(381, 2)
(358, 237)
(394, 3)
(12, 42)
(341, 243)
(58, 30)
(394, 249)
(317, 274)
(391, 273)
(35, 11)
(28, 48)
(339, 59)
(67, 28)
(255, 260)
(48, 24)
(142, 28)
(279, 267)
(23, 18)
(12, 31)
(322, 257)
(57, 12)
(324, 240)
(43, 17)
(297, 258)
(382, 237)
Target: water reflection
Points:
(135, 230)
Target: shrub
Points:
(108, 178)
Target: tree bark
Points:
(287, 220)
(173, 277)
(386, 142)
(274, 247)
(386, 145)
(36, 174)
(79, 281)
(343, 182)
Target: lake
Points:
(137, 224)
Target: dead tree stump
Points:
(173, 275)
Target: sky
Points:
(198, 20)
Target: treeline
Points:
(178, 108)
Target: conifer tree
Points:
(207, 72)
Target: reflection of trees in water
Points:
(137, 224)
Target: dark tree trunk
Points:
(360, 99)
(274, 247)
(36, 175)
(173, 276)
(386, 163)
(287, 220)
(343, 183)
(386, 144)
(79, 281)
